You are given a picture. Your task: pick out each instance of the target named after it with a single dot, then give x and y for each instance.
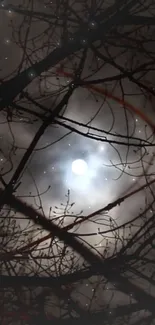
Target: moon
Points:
(79, 167)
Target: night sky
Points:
(111, 169)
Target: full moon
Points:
(79, 167)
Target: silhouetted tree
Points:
(50, 271)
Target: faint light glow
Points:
(136, 119)
(101, 148)
(10, 12)
(133, 179)
(139, 131)
(6, 58)
(32, 73)
(84, 41)
(7, 41)
(92, 24)
(106, 179)
(79, 167)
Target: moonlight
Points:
(79, 167)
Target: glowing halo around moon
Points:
(79, 167)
